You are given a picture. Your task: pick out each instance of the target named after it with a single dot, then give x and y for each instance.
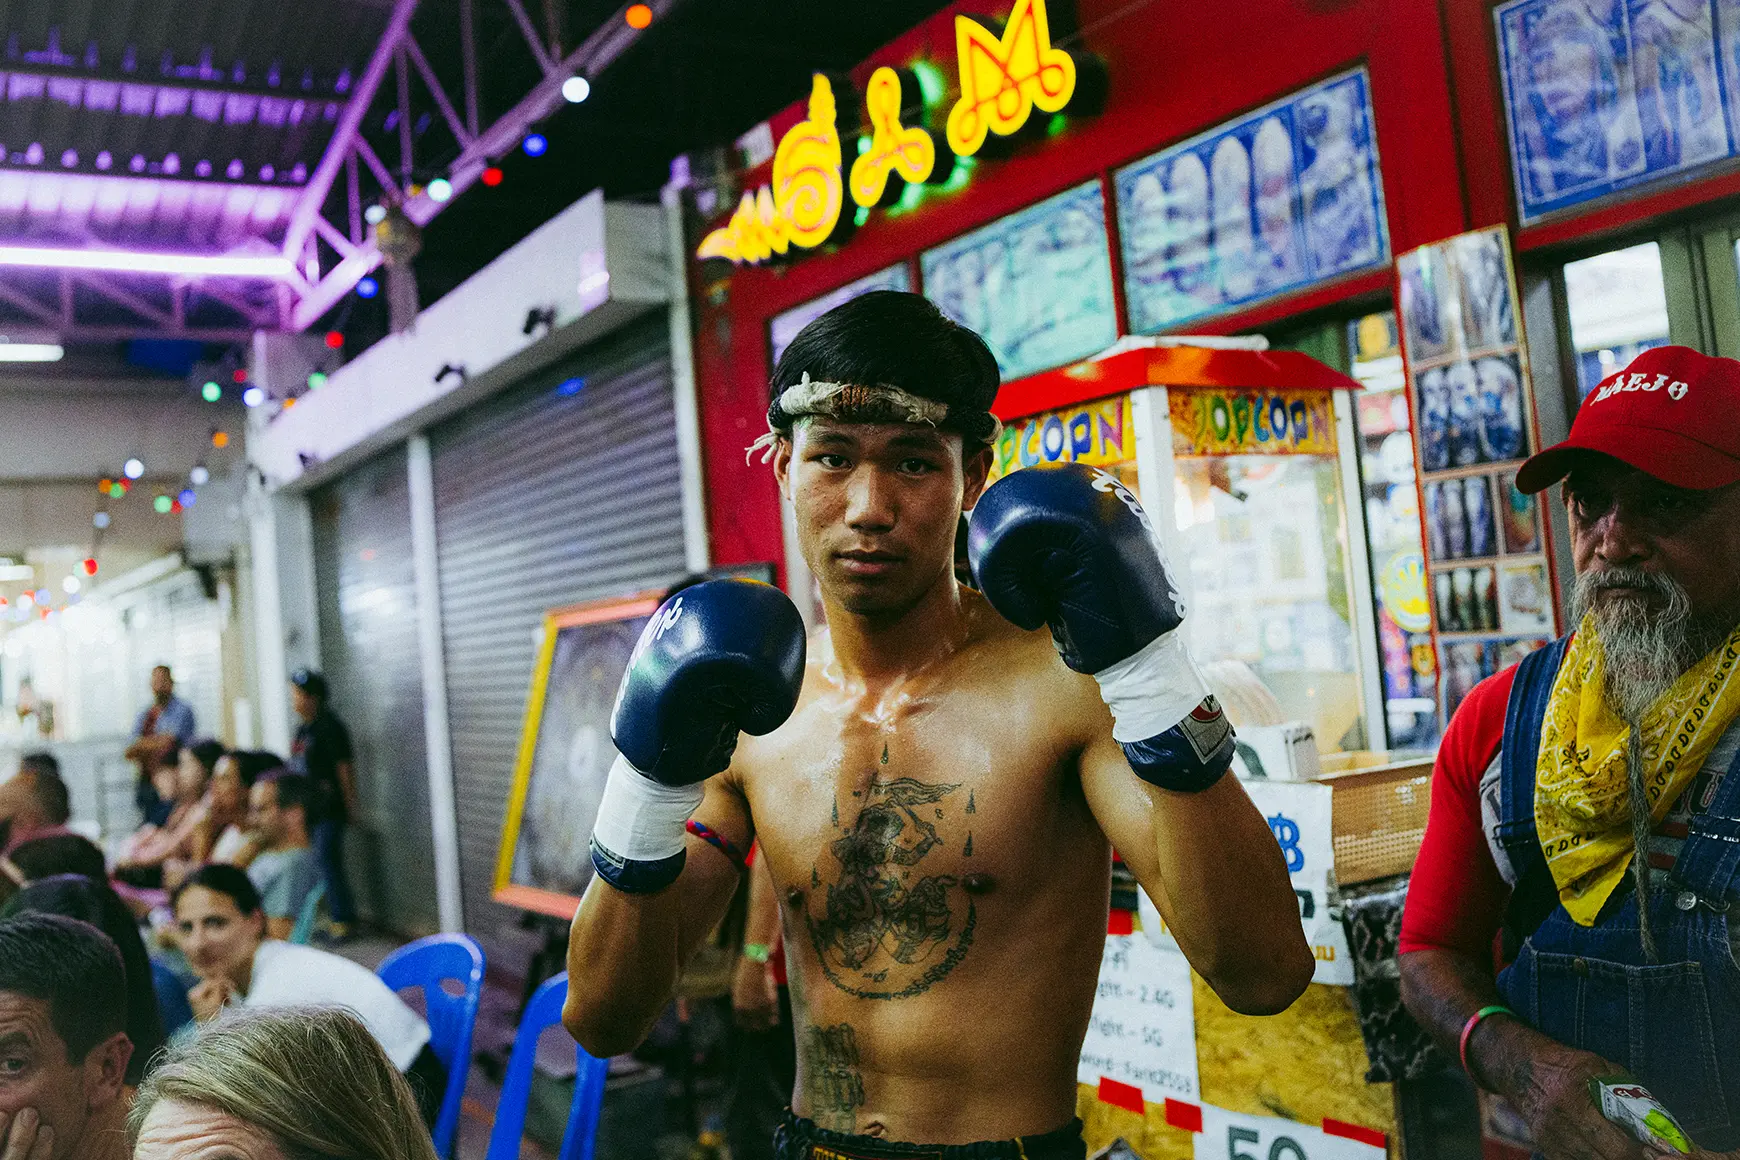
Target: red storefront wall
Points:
(1175, 70)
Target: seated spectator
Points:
(223, 933)
(265, 1085)
(286, 870)
(152, 849)
(222, 834)
(51, 854)
(33, 801)
(94, 902)
(63, 1027)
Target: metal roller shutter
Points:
(369, 651)
(561, 490)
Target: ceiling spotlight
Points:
(367, 288)
(638, 16)
(440, 189)
(199, 475)
(491, 176)
(253, 397)
(374, 213)
(211, 392)
(576, 89)
(534, 145)
(133, 468)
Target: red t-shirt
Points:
(1456, 897)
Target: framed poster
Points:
(1278, 199)
(786, 325)
(565, 753)
(1602, 95)
(1036, 285)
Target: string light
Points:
(199, 474)
(576, 89)
(117, 490)
(161, 504)
(491, 176)
(316, 380)
(334, 339)
(133, 468)
(220, 438)
(90, 566)
(440, 189)
(534, 145)
(253, 397)
(70, 585)
(240, 375)
(211, 392)
(374, 214)
(368, 287)
(100, 520)
(103, 485)
(186, 497)
(638, 16)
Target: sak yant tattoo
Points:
(887, 930)
(831, 1077)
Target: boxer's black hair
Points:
(890, 338)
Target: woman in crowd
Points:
(92, 901)
(222, 834)
(143, 859)
(264, 1085)
(222, 929)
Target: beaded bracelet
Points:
(1474, 1021)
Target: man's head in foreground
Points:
(880, 428)
(1651, 476)
(63, 1040)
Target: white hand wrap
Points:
(1152, 690)
(640, 820)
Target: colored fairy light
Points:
(199, 475)
(367, 288)
(103, 485)
(43, 596)
(70, 585)
(316, 380)
(440, 189)
(133, 468)
(491, 176)
(161, 504)
(576, 89)
(211, 392)
(240, 374)
(534, 145)
(220, 438)
(253, 397)
(374, 214)
(638, 16)
(568, 388)
(100, 520)
(334, 339)
(117, 490)
(186, 497)
(90, 565)
(26, 600)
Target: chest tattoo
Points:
(888, 930)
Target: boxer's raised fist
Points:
(1069, 547)
(716, 659)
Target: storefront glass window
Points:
(1618, 308)
(1267, 586)
(1392, 509)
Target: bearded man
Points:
(1586, 803)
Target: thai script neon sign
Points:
(1004, 77)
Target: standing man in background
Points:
(163, 727)
(321, 752)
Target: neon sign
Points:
(894, 148)
(802, 206)
(1003, 79)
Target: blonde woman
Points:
(275, 1083)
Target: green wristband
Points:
(757, 952)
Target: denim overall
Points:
(1675, 1024)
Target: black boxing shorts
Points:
(800, 1139)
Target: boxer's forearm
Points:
(1232, 906)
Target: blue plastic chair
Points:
(581, 1135)
(426, 963)
(303, 932)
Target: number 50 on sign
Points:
(1235, 1136)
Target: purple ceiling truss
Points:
(272, 238)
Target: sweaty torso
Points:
(943, 889)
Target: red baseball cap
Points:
(1672, 413)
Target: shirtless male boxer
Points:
(939, 809)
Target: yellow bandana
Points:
(1582, 792)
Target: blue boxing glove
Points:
(1070, 547)
(717, 659)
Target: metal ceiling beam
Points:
(348, 130)
(105, 76)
